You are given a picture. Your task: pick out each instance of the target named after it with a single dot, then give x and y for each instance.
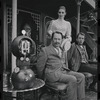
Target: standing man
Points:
(56, 68)
(78, 58)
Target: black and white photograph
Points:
(50, 50)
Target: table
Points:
(10, 93)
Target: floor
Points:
(90, 95)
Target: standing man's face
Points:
(57, 40)
(80, 39)
(27, 28)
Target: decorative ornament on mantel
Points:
(23, 76)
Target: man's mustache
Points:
(57, 43)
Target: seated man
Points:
(54, 61)
(78, 58)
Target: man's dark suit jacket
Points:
(49, 60)
(74, 57)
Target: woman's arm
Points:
(50, 28)
(68, 33)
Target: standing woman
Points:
(63, 26)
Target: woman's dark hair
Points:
(56, 32)
(62, 7)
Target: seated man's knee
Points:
(82, 75)
(73, 79)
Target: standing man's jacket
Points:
(49, 60)
(74, 57)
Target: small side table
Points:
(10, 93)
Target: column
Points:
(5, 37)
(14, 28)
(78, 15)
